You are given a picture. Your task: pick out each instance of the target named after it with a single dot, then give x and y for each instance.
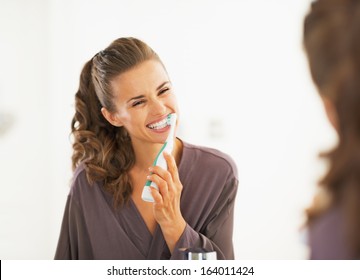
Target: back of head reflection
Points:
(332, 44)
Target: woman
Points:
(332, 41)
(119, 126)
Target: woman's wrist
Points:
(173, 232)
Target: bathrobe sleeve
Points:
(217, 233)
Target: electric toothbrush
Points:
(160, 160)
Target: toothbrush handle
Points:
(146, 193)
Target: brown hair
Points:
(332, 44)
(105, 150)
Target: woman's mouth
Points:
(158, 125)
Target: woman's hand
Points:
(167, 201)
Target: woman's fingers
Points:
(161, 183)
(158, 199)
(172, 167)
(170, 187)
(163, 175)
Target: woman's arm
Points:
(218, 232)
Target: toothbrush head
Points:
(171, 119)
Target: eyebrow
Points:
(142, 96)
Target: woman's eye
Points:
(164, 90)
(137, 103)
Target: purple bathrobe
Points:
(93, 229)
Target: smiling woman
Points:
(124, 98)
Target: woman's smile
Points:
(159, 126)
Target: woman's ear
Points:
(111, 118)
(330, 111)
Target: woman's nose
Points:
(158, 108)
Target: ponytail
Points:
(105, 150)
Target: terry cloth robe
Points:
(93, 229)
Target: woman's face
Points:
(143, 99)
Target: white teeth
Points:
(159, 125)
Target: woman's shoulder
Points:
(327, 235)
(210, 158)
(79, 182)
